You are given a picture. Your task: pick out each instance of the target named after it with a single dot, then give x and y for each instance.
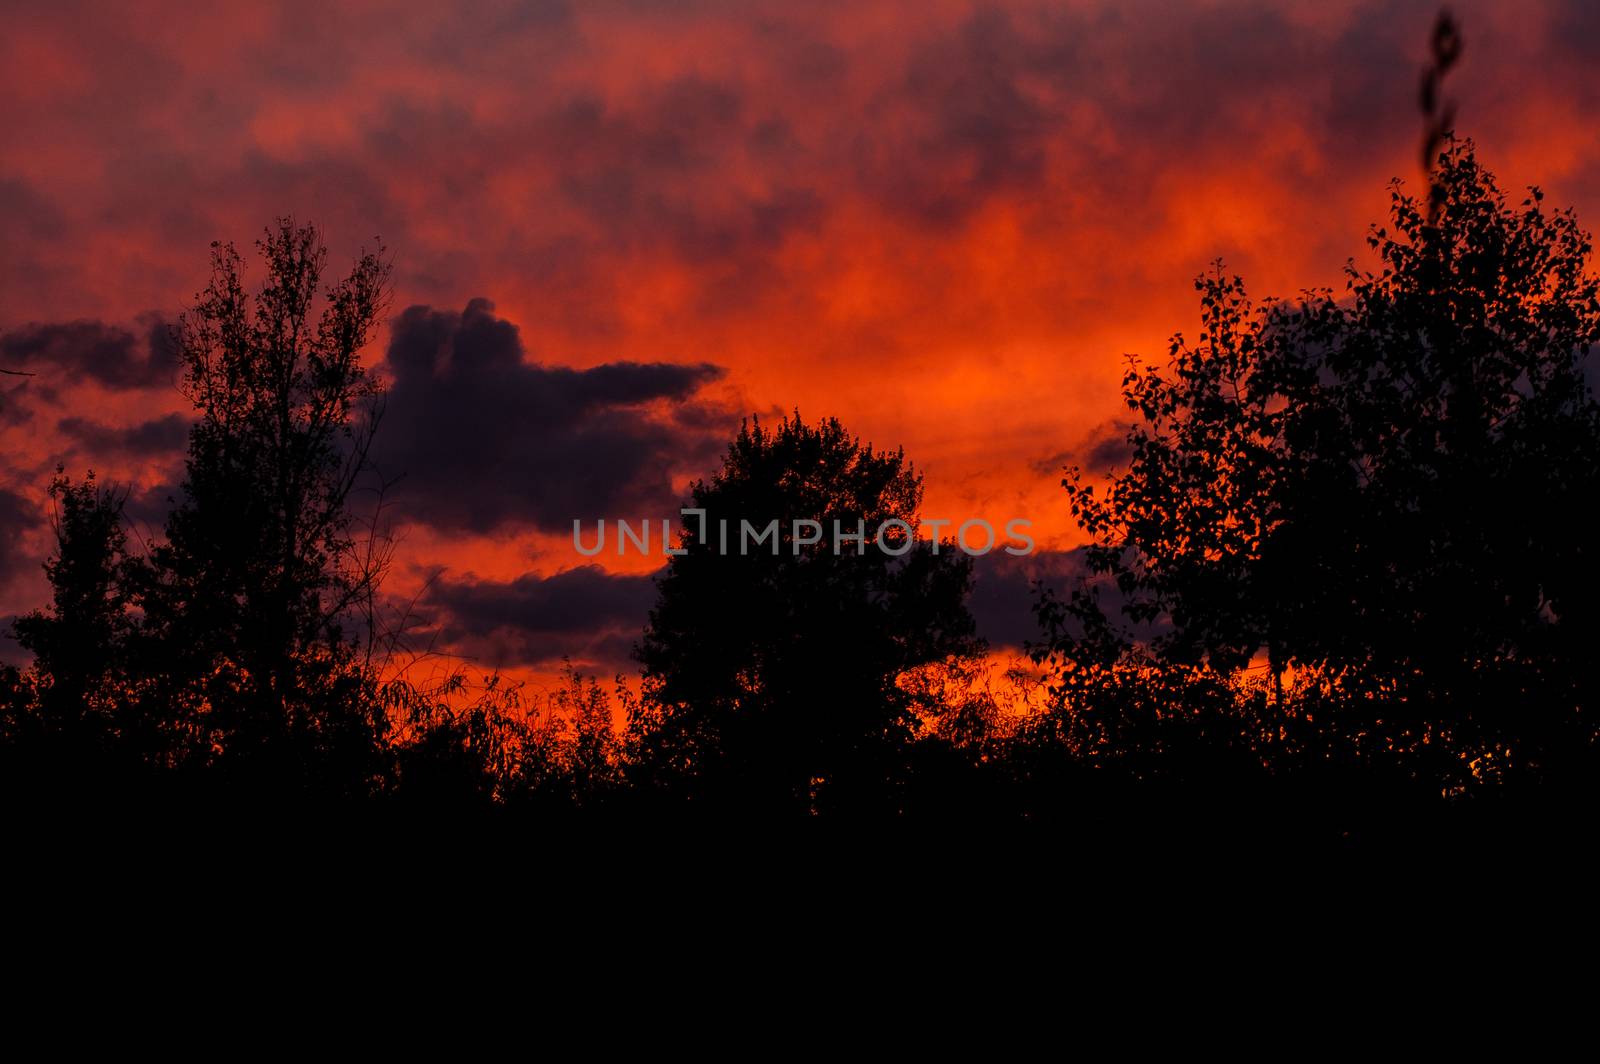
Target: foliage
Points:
(464, 744)
(1380, 492)
(245, 604)
(770, 677)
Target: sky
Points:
(618, 228)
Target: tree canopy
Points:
(1381, 491)
(771, 675)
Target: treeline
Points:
(1347, 574)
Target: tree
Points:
(770, 676)
(69, 728)
(80, 645)
(248, 603)
(1381, 492)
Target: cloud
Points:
(976, 131)
(1105, 449)
(591, 615)
(165, 435)
(18, 517)
(484, 439)
(65, 353)
(14, 409)
(147, 508)
(1003, 596)
(11, 652)
(586, 614)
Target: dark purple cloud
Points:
(11, 652)
(483, 438)
(146, 508)
(1003, 592)
(18, 517)
(14, 407)
(61, 354)
(585, 614)
(1104, 450)
(165, 435)
(589, 614)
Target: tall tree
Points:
(770, 674)
(248, 602)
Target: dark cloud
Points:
(11, 652)
(164, 435)
(585, 614)
(13, 403)
(146, 508)
(64, 353)
(18, 517)
(1108, 449)
(1104, 450)
(483, 439)
(1003, 592)
(588, 613)
(591, 615)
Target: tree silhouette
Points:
(770, 677)
(1381, 494)
(247, 604)
(77, 739)
(80, 645)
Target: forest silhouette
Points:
(1344, 581)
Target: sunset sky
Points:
(618, 228)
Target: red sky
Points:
(944, 223)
